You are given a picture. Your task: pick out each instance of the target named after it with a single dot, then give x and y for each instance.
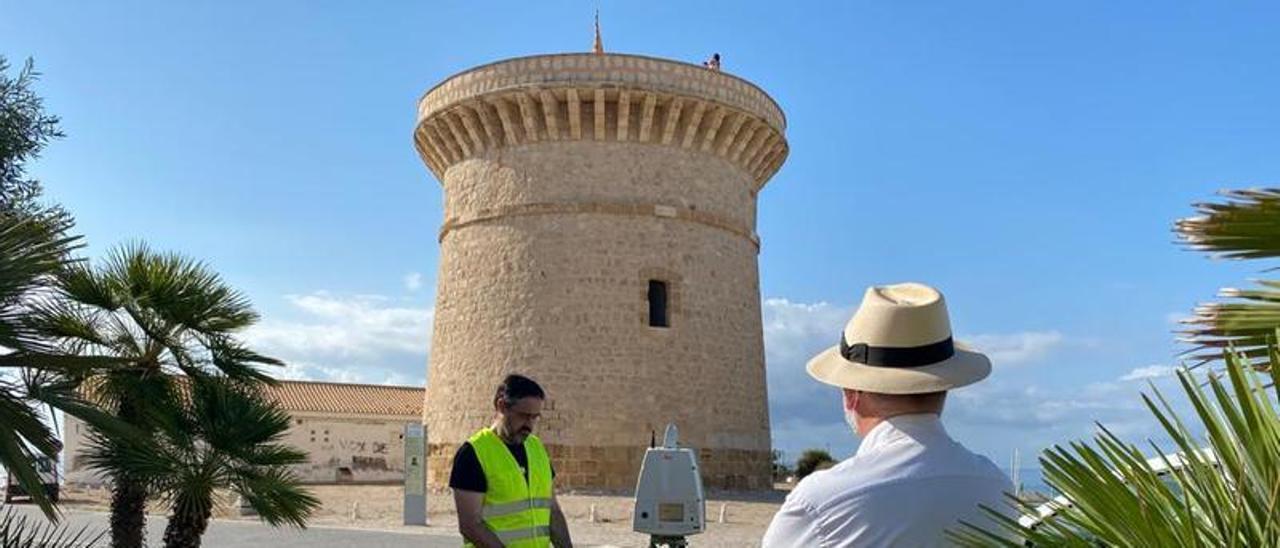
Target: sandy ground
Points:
(379, 507)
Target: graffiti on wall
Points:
(351, 451)
(369, 463)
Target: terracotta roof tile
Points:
(334, 397)
(358, 399)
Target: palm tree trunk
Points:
(186, 525)
(128, 498)
(128, 514)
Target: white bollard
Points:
(592, 517)
(722, 509)
(355, 511)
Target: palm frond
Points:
(242, 426)
(76, 329)
(180, 291)
(69, 397)
(17, 531)
(70, 365)
(231, 416)
(1218, 488)
(29, 256)
(237, 361)
(83, 285)
(277, 495)
(1245, 226)
(22, 439)
(1243, 323)
(275, 454)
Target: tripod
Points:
(660, 541)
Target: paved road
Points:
(238, 533)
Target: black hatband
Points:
(889, 356)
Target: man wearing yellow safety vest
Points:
(502, 478)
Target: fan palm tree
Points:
(162, 314)
(227, 437)
(1218, 489)
(1245, 226)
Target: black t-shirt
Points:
(468, 475)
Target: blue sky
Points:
(1026, 158)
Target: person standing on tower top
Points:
(909, 482)
(502, 481)
(713, 63)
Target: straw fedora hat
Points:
(899, 342)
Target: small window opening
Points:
(658, 304)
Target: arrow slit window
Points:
(658, 309)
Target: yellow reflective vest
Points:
(518, 512)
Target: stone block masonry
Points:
(572, 183)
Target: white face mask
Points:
(851, 417)
(851, 414)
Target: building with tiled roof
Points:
(355, 399)
(351, 431)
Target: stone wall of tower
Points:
(559, 211)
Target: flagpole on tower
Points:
(598, 46)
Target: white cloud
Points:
(797, 330)
(1016, 348)
(1148, 372)
(996, 417)
(1031, 406)
(359, 338)
(794, 332)
(298, 370)
(413, 281)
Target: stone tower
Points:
(599, 236)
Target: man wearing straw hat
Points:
(908, 482)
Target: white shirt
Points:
(908, 483)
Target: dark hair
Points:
(516, 387)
